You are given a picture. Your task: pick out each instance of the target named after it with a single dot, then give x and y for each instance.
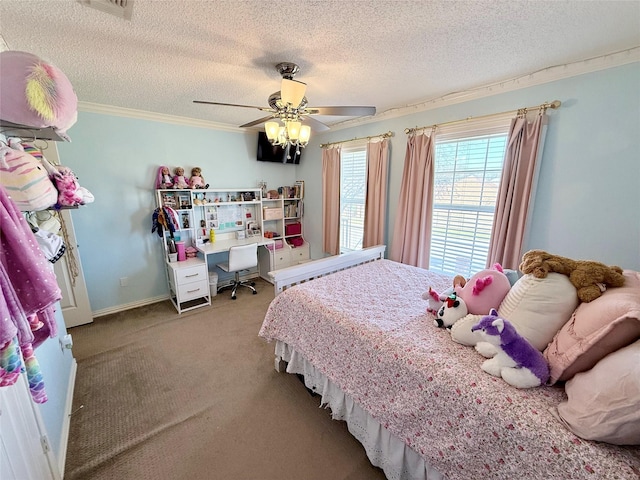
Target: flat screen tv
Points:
(275, 153)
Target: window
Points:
(353, 189)
(467, 175)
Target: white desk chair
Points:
(242, 257)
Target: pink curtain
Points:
(514, 195)
(331, 200)
(376, 201)
(412, 232)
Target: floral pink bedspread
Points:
(367, 330)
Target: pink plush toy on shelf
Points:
(179, 180)
(36, 93)
(164, 179)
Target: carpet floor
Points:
(195, 396)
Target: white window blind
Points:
(466, 180)
(353, 188)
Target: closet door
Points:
(74, 304)
(22, 445)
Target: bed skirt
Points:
(394, 457)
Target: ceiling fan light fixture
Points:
(305, 135)
(293, 130)
(292, 92)
(272, 129)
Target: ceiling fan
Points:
(289, 105)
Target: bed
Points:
(356, 328)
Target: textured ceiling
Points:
(387, 54)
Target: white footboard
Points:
(287, 277)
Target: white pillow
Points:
(537, 307)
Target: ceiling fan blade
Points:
(266, 109)
(352, 111)
(316, 125)
(257, 122)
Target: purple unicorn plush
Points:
(518, 362)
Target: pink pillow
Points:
(35, 93)
(603, 402)
(596, 329)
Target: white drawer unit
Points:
(188, 284)
(300, 254)
(273, 259)
(281, 258)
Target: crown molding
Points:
(546, 75)
(155, 117)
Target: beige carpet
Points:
(196, 397)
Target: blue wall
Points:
(117, 158)
(588, 197)
(585, 207)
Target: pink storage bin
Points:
(293, 228)
(276, 244)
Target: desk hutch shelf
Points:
(235, 215)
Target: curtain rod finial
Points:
(555, 104)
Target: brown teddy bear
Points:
(589, 278)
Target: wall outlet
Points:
(124, 282)
(66, 342)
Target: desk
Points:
(225, 241)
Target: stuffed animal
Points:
(435, 302)
(70, 193)
(452, 310)
(179, 180)
(516, 361)
(26, 180)
(589, 278)
(36, 93)
(435, 299)
(484, 290)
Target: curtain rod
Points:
(382, 135)
(554, 105)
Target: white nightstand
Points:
(188, 284)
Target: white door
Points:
(74, 304)
(22, 441)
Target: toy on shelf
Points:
(179, 180)
(36, 93)
(163, 179)
(196, 181)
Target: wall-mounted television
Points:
(275, 153)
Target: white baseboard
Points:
(64, 435)
(128, 306)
